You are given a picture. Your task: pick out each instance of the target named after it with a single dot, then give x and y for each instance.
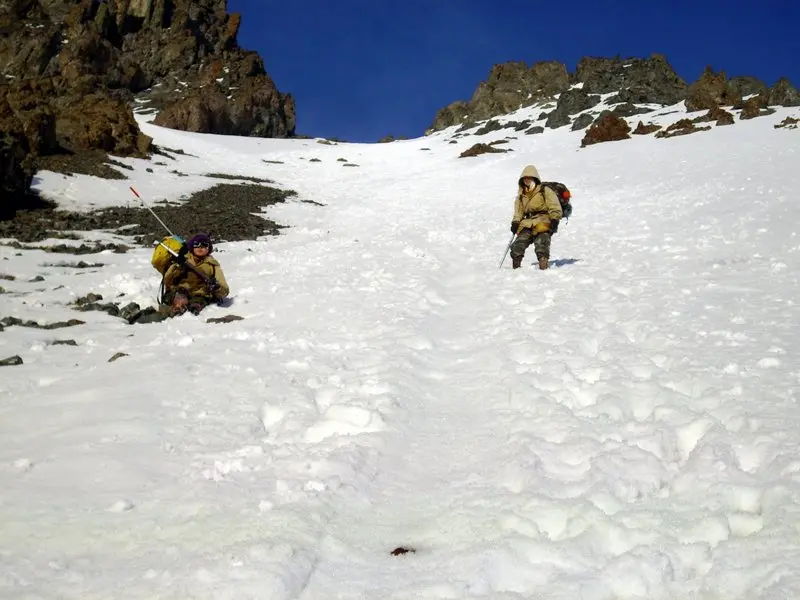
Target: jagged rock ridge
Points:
(633, 81)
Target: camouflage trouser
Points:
(526, 237)
(193, 304)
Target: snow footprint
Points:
(342, 421)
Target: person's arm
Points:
(171, 274)
(517, 214)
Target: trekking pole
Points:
(511, 241)
(135, 193)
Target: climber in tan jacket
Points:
(536, 211)
(195, 280)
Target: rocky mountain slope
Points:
(71, 70)
(637, 85)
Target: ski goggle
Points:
(201, 245)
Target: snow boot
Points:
(544, 262)
(516, 262)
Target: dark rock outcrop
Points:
(16, 173)
(642, 129)
(650, 80)
(748, 86)
(716, 114)
(607, 128)
(510, 86)
(783, 93)
(682, 127)
(787, 123)
(632, 81)
(570, 102)
(72, 69)
(478, 149)
(582, 122)
(712, 90)
(27, 129)
(170, 54)
(755, 107)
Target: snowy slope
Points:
(622, 426)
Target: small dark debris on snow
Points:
(117, 356)
(11, 321)
(36, 279)
(78, 265)
(131, 312)
(7, 277)
(225, 319)
(163, 151)
(64, 343)
(11, 361)
(88, 299)
(232, 177)
(121, 165)
(788, 123)
(95, 248)
(400, 550)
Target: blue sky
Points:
(362, 69)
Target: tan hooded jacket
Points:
(178, 278)
(537, 205)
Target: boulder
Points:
(607, 128)
(570, 102)
(783, 93)
(712, 90)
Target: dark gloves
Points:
(514, 226)
(212, 285)
(554, 225)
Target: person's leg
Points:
(541, 244)
(518, 247)
(197, 304)
(178, 304)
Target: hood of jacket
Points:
(529, 171)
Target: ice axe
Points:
(135, 193)
(508, 247)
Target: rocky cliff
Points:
(632, 81)
(70, 71)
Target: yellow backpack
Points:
(163, 258)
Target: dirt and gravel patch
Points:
(96, 163)
(227, 212)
